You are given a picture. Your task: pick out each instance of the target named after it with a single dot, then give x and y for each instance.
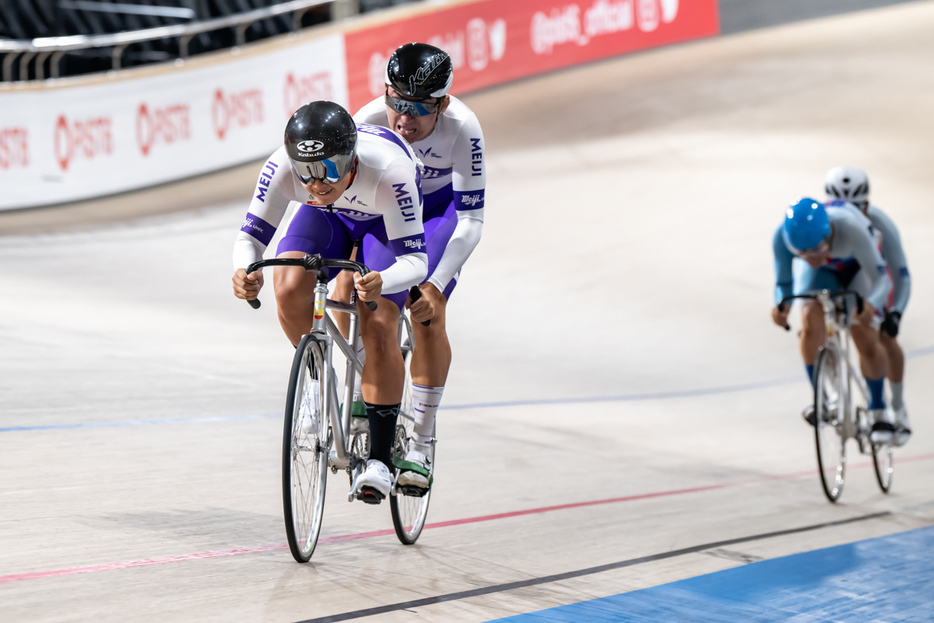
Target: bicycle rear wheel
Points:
(409, 512)
(830, 422)
(884, 464)
(306, 442)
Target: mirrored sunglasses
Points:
(329, 170)
(410, 108)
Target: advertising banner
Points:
(71, 143)
(491, 42)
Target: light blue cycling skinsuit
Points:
(382, 206)
(454, 184)
(855, 261)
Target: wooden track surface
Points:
(618, 390)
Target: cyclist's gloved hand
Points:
(890, 322)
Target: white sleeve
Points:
(870, 260)
(399, 200)
(408, 270)
(271, 196)
(462, 243)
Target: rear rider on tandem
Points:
(851, 185)
(447, 136)
(839, 246)
(354, 182)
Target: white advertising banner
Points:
(59, 145)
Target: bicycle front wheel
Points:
(306, 443)
(884, 465)
(409, 512)
(830, 421)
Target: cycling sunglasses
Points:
(328, 170)
(410, 108)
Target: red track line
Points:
(36, 575)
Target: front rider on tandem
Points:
(355, 182)
(840, 249)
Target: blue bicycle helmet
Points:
(806, 225)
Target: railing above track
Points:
(40, 49)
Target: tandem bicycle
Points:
(318, 433)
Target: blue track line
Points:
(884, 579)
(687, 393)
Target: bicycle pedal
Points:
(411, 491)
(369, 495)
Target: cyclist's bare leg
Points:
(384, 370)
(813, 331)
(295, 298)
(383, 378)
(431, 355)
(340, 291)
(872, 357)
(896, 357)
(343, 285)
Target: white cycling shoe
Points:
(902, 428)
(883, 426)
(310, 413)
(415, 469)
(374, 483)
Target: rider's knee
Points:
(343, 284)
(812, 318)
(289, 287)
(380, 328)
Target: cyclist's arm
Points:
(894, 256)
(866, 252)
(271, 196)
(783, 259)
(399, 200)
(469, 186)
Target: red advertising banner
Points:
(491, 42)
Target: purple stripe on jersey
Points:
(410, 244)
(258, 228)
(432, 173)
(381, 132)
(471, 200)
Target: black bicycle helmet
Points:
(420, 71)
(321, 140)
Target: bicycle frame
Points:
(324, 326)
(838, 337)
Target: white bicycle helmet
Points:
(847, 184)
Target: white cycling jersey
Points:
(385, 186)
(454, 169)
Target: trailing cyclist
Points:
(354, 182)
(849, 184)
(841, 253)
(447, 137)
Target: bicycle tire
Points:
(305, 449)
(830, 422)
(884, 465)
(409, 512)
